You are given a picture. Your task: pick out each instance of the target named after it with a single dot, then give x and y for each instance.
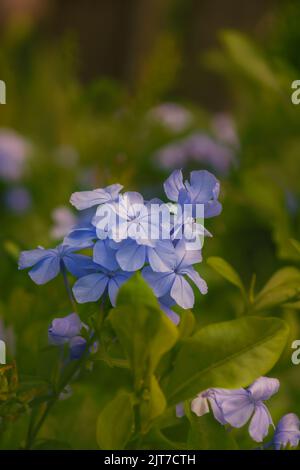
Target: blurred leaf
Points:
(12, 249)
(115, 422)
(248, 59)
(51, 444)
(284, 286)
(296, 245)
(144, 331)
(223, 268)
(228, 354)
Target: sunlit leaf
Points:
(228, 354)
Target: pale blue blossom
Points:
(85, 199)
(203, 188)
(47, 264)
(287, 432)
(173, 282)
(237, 407)
(67, 330)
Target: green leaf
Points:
(143, 330)
(153, 404)
(225, 270)
(229, 354)
(187, 323)
(207, 434)
(248, 59)
(284, 286)
(115, 423)
(295, 244)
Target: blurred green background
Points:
(124, 91)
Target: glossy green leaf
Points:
(250, 61)
(115, 423)
(225, 270)
(284, 286)
(228, 354)
(144, 331)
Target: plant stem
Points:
(67, 286)
(33, 430)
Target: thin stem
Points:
(34, 430)
(67, 286)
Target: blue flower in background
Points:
(287, 432)
(85, 199)
(236, 407)
(47, 264)
(67, 331)
(14, 151)
(173, 282)
(18, 200)
(203, 188)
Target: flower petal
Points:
(161, 283)
(79, 265)
(104, 255)
(182, 292)
(199, 405)
(287, 432)
(131, 257)
(46, 270)
(62, 329)
(162, 257)
(263, 388)
(197, 279)
(77, 347)
(173, 185)
(236, 406)
(29, 258)
(260, 422)
(90, 288)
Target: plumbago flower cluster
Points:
(128, 234)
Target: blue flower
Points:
(18, 200)
(85, 199)
(236, 407)
(14, 152)
(134, 220)
(67, 331)
(90, 288)
(287, 432)
(173, 282)
(47, 264)
(131, 256)
(203, 188)
(81, 235)
(107, 276)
